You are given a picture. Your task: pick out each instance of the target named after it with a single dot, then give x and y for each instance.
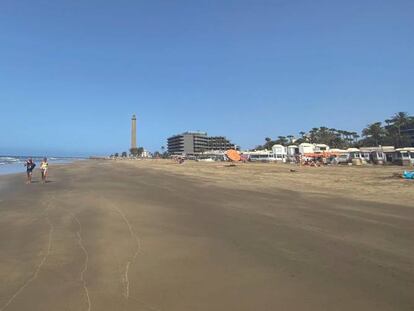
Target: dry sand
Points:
(154, 235)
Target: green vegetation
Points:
(136, 152)
(398, 131)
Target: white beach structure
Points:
(354, 153)
(260, 155)
(337, 150)
(356, 156)
(306, 148)
(292, 151)
(320, 148)
(279, 153)
(405, 156)
(376, 155)
(339, 156)
(146, 154)
(379, 154)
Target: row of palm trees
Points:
(397, 131)
(135, 152)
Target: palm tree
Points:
(134, 152)
(268, 144)
(400, 117)
(303, 136)
(282, 140)
(411, 121)
(374, 131)
(398, 121)
(388, 122)
(313, 135)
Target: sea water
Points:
(15, 164)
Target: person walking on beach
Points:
(43, 168)
(30, 165)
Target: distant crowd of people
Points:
(30, 166)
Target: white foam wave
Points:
(9, 159)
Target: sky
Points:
(73, 72)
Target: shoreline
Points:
(17, 168)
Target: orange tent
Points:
(233, 155)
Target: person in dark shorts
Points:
(30, 165)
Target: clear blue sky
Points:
(73, 72)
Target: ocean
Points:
(15, 164)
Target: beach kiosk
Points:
(260, 155)
(292, 153)
(279, 153)
(376, 155)
(305, 148)
(405, 156)
(338, 156)
(321, 148)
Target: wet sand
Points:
(153, 235)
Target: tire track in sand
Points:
(86, 254)
(138, 248)
(39, 266)
(85, 266)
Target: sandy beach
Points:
(156, 235)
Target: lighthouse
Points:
(133, 132)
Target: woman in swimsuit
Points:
(43, 168)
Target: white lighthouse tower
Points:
(133, 132)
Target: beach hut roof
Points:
(406, 149)
(265, 151)
(352, 150)
(378, 148)
(337, 150)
